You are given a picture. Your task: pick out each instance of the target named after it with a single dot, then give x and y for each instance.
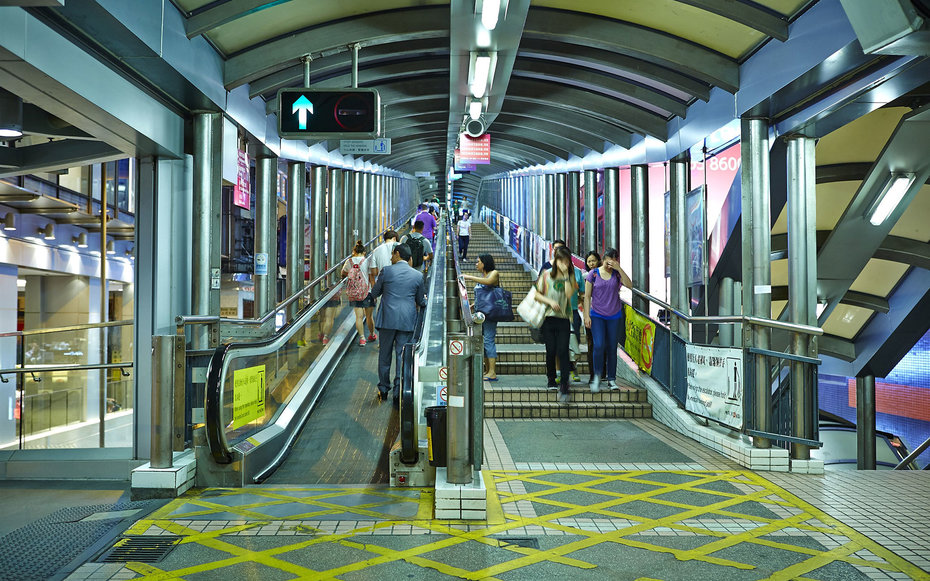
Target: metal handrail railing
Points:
(184, 320)
(32, 332)
(735, 319)
(902, 465)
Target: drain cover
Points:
(140, 549)
(526, 542)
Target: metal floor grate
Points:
(141, 549)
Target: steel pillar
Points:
(640, 226)
(611, 207)
(207, 206)
(757, 274)
(574, 213)
(336, 219)
(865, 422)
(458, 437)
(296, 204)
(590, 210)
(802, 281)
(725, 302)
(551, 211)
(266, 235)
(317, 223)
(678, 244)
(561, 210)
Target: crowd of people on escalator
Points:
(574, 300)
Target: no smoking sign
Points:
(443, 373)
(456, 347)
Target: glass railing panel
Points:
(256, 385)
(62, 409)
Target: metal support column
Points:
(336, 219)
(355, 210)
(207, 206)
(162, 401)
(678, 244)
(865, 422)
(561, 210)
(296, 203)
(802, 282)
(349, 185)
(640, 227)
(266, 235)
(590, 210)
(458, 455)
(725, 302)
(611, 207)
(551, 211)
(574, 213)
(757, 251)
(317, 223)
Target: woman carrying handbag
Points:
(489, 277)
(555, 289)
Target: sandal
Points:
(486, 378)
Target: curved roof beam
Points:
(438, 104)
(530, 147)
(376, 75)
(571, 120)
(520, 130)
(370, 29)
(751, 15)
(574, 134)
(625, 38)
(206, 20)
(624, 136)
(632, 117)
(392, 126)
(595, 82)
(659, 77)
(337, 64)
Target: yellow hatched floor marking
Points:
(803, 517)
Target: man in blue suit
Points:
(402, 289)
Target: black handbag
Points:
(495, 302)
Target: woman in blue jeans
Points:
(603, 312)
(489, 277)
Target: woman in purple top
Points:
(602, 314)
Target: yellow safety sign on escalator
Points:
(248, 395)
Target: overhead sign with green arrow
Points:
(329, 114)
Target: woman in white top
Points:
(361, 281)
(464, 234)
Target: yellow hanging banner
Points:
(640, 339)
(248, 395)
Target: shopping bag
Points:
(495, 302)
(532, 311)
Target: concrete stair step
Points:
(532, 367)
(574, 409)
(579, 394)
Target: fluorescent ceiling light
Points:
(9, 133)
(80, 240)
(9, 221)
(111, 247)
(490, 11)
(474, 109)
(889, 198)
(479, 77)
(482, 37)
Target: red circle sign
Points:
(456, 347)
(444, 393)
(648, 345)
(443, 373)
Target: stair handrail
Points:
(903, 464)
(465, 305)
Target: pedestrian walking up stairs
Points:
(521, 390)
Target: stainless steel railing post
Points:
(457, 416)
(162, 401)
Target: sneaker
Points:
(575, 378)
(563, 397)
(372, 338)
(361, 342)
(558, 378)
(325, 339)
(612, 385)
(553, 387)
(595, 384)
